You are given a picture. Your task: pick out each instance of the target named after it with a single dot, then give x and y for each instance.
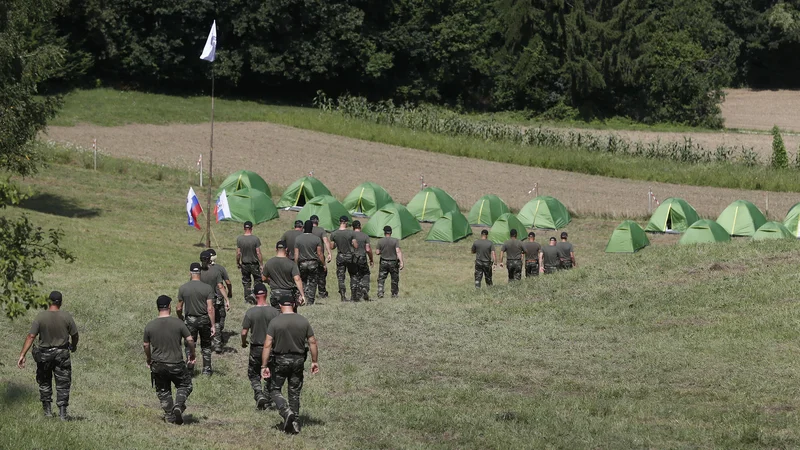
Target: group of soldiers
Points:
(518, 255)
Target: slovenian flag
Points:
(221, 209)
(193, 209)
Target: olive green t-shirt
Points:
(343, 240)
(483, 250)
(289, 333)
(513, 249)
(164, 334)
(388, 247)
(194, 296)
(257, 319)
(564, 249)
(289, 237)
(223, 272)
(280, 273)
(319, 232)
(248, 245)
(363, 240)
(307, 244)
(550, 256)
(211, 277)
(532, 250)
(54, 328)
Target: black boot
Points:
(48, 409)
(344, 296)
(62, 412)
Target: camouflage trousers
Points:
(261, 387)
(276, 295)
(483, 270)
(550, 269)
(309, 273)
(287, 368)
(531, 268)
(163, 376)
(389, 268)
(322, 280)
(201, 326)
(251, 273)
(514, 267)
(566, 263)
(52, 363)
(359, 279)
(219, 319)
(344, 265)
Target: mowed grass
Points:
(674, 346)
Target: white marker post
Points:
(94, 151)
(200, 166)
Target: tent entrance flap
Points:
(301, 198)
(425, 206)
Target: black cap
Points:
(387, 229)
(344, 219)
(314, 218)
(563, 234)
(260, 289)
(195, 267)
(531, 234)
(356, 224)
(163, 302)
(298, 224)
(280, 244)
(248, 224)
(205, 254)
(287, 300)
(485, 232)
(212, 252)
(55, 297)
(553, 238)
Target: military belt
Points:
(60, 347)
(289, 354)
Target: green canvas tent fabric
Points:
(486, 210)
(741, 218)
(628, 237)
(704, 231)
(366, 199)
(403, 223)
(430, 204)
(674, 215)
(500, 231)
(451, 227)
(251, 204)
(544, 212)
(300, 192)
(792, 220)
(327, 208)
(772, 230)
(244, 179)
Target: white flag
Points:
(222, 210)
(210, 50)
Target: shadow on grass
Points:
(15, 393)
(58, 206)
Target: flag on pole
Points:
(193, 209)
(221, 209)
(210, 50)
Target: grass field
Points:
(670, 347)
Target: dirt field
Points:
(342, 163)
(760, 110)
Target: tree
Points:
(780, 160)
(24, 63)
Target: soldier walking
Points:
(162, 348)
(286, 340)
(283, 277)
(550, 260)
(290, 236)
(485, 258)
(224, 272)
(344, 241)
(197, 300)
(58, 337)
(512, 248)
(533, 255)
(308, 254)
(212, 275)
(359, 284)
(388, 248)
(256, 320)
(566, 253)
(322, 279)
(249, 260)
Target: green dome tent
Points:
(772, 230)
(703, 232)
(251, 204)
(403, 223)
(674, 215)
(628, 237)
(500, 231)
(451, 227)
(367, 199)
(430, 204)
(544, 212)
(741, 218)
(327, 208)
(244, 179)
(486, 210)
(792, 220)
(300, 192)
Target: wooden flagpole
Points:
(210, 164)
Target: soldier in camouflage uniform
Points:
(549, 262)
(286, 340)
(256, 320)
(533, 254)
(197, 300)
(359, 284)
(213, 276)
(512, 247)
(308, 254)
(162, 348)
(322, 276)
(344, 241)
(58, 337)
(391, 262)
(283, 277)
(249, 260)
(290, 236)
(485, 258)
(566, 253)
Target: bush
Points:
(780, 160)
